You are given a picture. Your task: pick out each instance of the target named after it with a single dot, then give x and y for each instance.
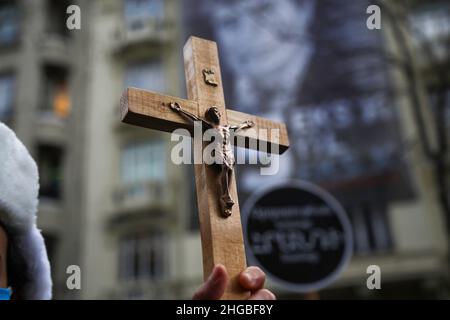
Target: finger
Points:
(252, 278)
(214, 286)
(262, 294)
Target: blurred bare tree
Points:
(422, 31)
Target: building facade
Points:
(42, 99)
(111, 201)
(138, 203)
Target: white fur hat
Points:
(28, 265)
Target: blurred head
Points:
(213, 115)
(24, 255)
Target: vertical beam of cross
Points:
(222, 239)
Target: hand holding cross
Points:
(221, 234)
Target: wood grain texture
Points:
(266, 135)
(149, 109)
(222, 239)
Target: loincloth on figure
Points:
(223, 150)
(226, 159)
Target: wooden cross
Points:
(221, 237)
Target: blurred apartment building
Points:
(42, 97)
(112, 202)
(137, 239)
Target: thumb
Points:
(214, 286)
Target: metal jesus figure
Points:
(223, 147)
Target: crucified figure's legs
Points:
(227, 201)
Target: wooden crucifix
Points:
(220, 221)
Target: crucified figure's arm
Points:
(244, 125)
(176, 107)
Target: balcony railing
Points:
(55, 48)
(148, 290)
(142, 196)
(143, 31)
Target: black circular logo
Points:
(298, 234)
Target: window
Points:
(371, 228)
(439, 109)
(142, 256)
(139, 12)
(50, 159)
(143, 162)
(9, 23)
(7, 94)
(57, 17)
(432, 18)
(433, 21)
(146, 75)
(56, 92)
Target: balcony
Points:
(147, 290)
(51, 128)
(55, 48)
(142, 32)
(142, 200)
(50, 215)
